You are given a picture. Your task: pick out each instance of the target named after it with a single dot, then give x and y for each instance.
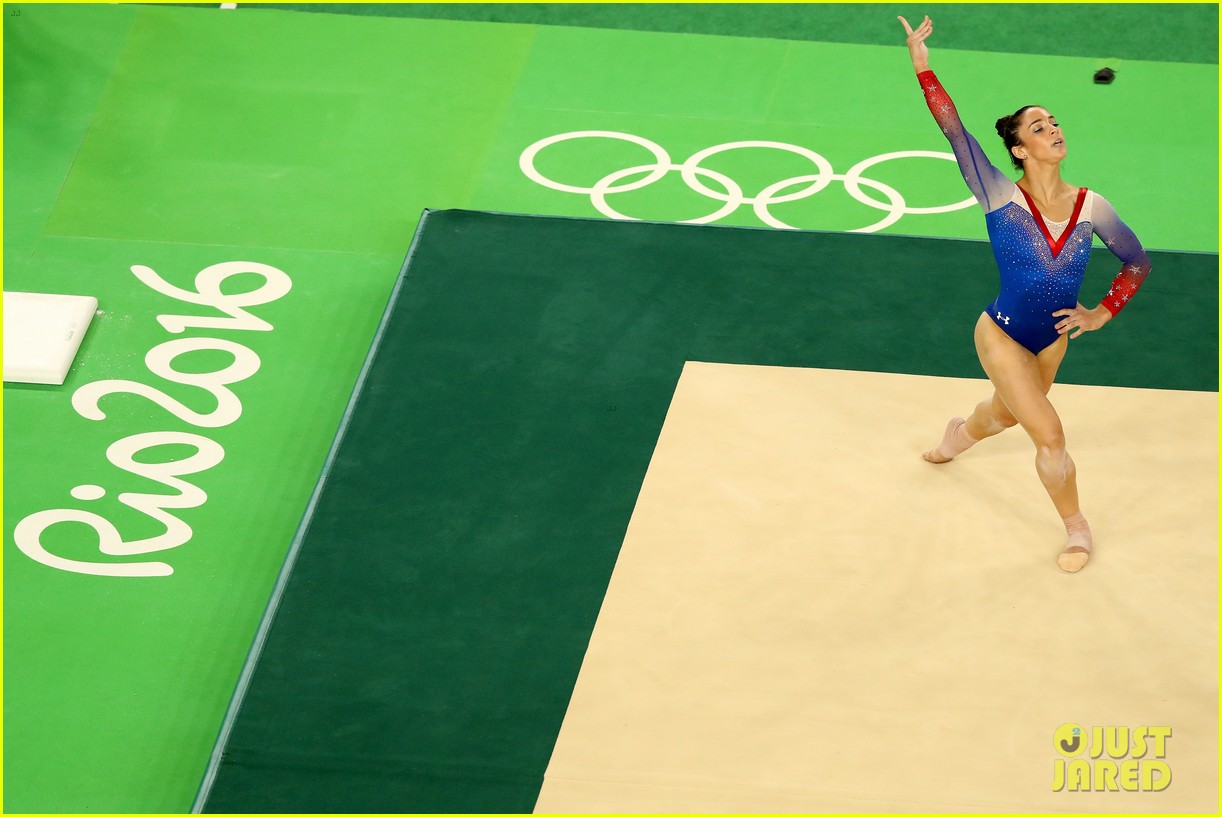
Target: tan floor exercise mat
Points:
(806, 616)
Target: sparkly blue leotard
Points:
(1040, 272)
(1037, 278)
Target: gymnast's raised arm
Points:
(989, 185)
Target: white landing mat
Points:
(806, 616)
(42, 334)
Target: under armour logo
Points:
(1003, 319)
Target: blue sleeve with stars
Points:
(992, 188)
(1135, 263)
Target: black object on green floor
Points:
(449, 575)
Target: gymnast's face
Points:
(1040, 136)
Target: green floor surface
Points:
(114, 686)
(484, 481)
(372, 120)
(687, 95)
(182, 138)
(1179, 32)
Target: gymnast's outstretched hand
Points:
(1080, 319)
(916, 43)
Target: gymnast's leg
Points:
(988, 418)
(1022, 381)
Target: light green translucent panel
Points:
(288, 130)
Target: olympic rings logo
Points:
(733, 196)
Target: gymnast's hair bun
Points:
(1007, 129)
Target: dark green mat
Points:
(447, 581)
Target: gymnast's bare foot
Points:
(955, 441)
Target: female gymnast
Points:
(1040, 230)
